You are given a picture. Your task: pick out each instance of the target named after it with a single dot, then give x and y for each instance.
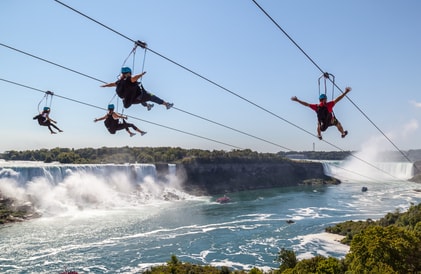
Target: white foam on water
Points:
(319, 244)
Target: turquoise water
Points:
(132, 231)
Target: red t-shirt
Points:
(329, 106)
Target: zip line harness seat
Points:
(325, 119)
(48, 96)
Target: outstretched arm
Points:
(108, 85)
(137, 77)
(347, 89)
(294, 98)
(99, 119)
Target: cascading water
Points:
(101, 219)
(56, 189)
(361, 171)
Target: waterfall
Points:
(360, 171)
(55, 173)
(56, 188)
(172, 168)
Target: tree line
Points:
(120, 155)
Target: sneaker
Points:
(345, 134)
(169, 105)
(149, 106)
(132, 134)
(52, 132)
(320, 137)
(143, 133)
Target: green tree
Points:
(308, 265)
(377, 246)
(287, 259)
(330, 266)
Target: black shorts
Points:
(330, 122)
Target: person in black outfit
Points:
(132, 92)
(113, 125)
(45, 120)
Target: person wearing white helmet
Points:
(132, 92)
(325, 115)
(45, 120)
(113, 125)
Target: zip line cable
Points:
(167, 127)
(322, 71)
(242, 132)
(94, 106)
(55, 64)
(195, 73)
(189, 113)
(206, 79)
(218, 85)
(83, 74)
(186, 112)
(174, 129)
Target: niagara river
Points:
(121, 219)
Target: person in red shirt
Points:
(325, 115)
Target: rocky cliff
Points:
(219, 178)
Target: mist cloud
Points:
(415, 103)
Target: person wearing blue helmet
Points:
(113, 124)
(132, 92)
(45, 120)
(325, 115)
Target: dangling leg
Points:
(49, 127)
(130, 133)
(137, 129)
(146, 105)
(56, 127)
(341, 130)
(319, 132)
(126, 126)
(150, 97)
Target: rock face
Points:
(217, 178)
(12, 212)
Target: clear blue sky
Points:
(372, 46)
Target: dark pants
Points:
(121, 126)
(46, 123)
(331, 121)
(141, 97)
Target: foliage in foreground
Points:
(389, 245)
(177, 267)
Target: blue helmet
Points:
(126, 70)
(322, 96)
(46, 109)
(111, 106)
